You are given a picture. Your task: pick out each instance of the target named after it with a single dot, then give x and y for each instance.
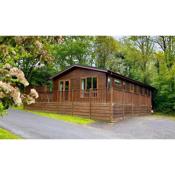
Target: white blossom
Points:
(5, 87)
(7, 66)
(20, 75)
(33, 93)
(2, 95)
(9, 89)
(16, 97)
(29, 100)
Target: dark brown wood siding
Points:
(76, 75)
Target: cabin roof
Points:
(111, 73)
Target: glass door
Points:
(67, 89)
(64, 90)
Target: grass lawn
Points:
(165, 116)
(66, 118)
(4, 134)
(18, 107)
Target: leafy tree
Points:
(139, 52)
(26, 52)
(165, 78)
(11, 81)
(73, 50)
(105, 48)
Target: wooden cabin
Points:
(96, 93)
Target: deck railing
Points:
(96, 96)
(108, 104)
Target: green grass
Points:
(170, 116)
(4, 134)
(18, 107)
(66, 118)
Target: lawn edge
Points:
(87, 120)
(17, 137)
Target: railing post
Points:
(90, 103)
(72, 101)
(57, 96)
(132, 103)
(111, 104)
(123, 103)
(147, 103)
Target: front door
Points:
(64, 90)
(67, 89)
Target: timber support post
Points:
(132, 103)
(72, 99)
(123, 103)
(111, 104)
(90, 103)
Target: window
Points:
(87, 84)
(148, 92)
(117, 82)
(140, 90)
(83, 87)
(66, 85)
(61, 86)
(132, 87)
(127, 86)
(137, 89)
(109, 82)
(94, 83)
(143, 91)
(83, 84)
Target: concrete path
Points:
(32, 126)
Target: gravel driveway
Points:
(32, 126)
(148, 127)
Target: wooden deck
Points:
(109, 105)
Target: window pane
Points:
(67, 85)
(109, 82)
(94, 83)
(127, 86)
(145, 91)
(83, 84)
(141, 90)
(61, 85)
(117, 82)
(132, 87)
(135, 88)
(124, 85)
(89, 81)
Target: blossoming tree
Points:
(11, 81)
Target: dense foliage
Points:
(145, 58)
(11, 81)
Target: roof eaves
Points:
(130, 80)
(78, 66)
(105, 71)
